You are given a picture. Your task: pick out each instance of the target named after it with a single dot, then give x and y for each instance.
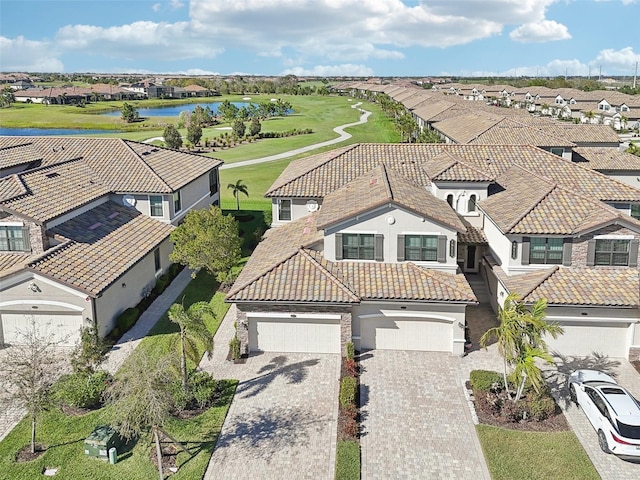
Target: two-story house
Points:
(85, 225)
(367, 241)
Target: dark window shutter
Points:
(526, 246)
(338, 246)
(442, 248)
(378, 251)
(633, 253)
(591, 253)
(401, 248)
(26, 241)
(567, 248)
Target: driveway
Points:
(609, 467)
(283, 419)
(416, 421)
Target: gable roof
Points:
(603, 158)
(380, 187)
(99, 246)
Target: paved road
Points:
(417, 422)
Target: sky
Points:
(323, 38)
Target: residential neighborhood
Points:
(402, 254)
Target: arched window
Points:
(450, 200)
(471, 206)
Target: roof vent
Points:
(373, 181)
(146, 153)
(95, 225)
(52, 174)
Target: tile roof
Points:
(466, 128)
(99, 246)
(379, 187)
(582, 132)
(18, 154)
(90, 167)
(473, 236)
(512, 132)
(447, 167)
(532, 204)
(603, 158)
(12, 262)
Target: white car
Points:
(611, 409)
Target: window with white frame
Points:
(358, 246)
(155, 206)
(421, 248)
(471, 204)
(557, 151)
(177, 201)
(14, 238)
(284, 209)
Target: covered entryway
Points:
(63, 328)
(304, 333)
(405, 333)
(583, 339)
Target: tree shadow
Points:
(557, 375)
(268, 432)
(294, 373)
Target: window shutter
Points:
(401, 248)
(526, 246)
(442, 248)
(633, 253)
(378, 251)
(567, 248)
(26, 241)
(591, 253)
(338, 246)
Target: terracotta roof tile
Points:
(607, 158)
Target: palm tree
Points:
(238, 188)
(193, 333)
(520, 338)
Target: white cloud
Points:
(618, 61)
(22, 55)
(543, 31)
(155, 7)
(331, 71)
(176, 4)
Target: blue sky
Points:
(322, 37)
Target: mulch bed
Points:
(75, 411)
(484, 410)
(25, 455)
(169, 454)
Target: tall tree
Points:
(193, 334)
(172, 138)
(239, 128)
(129, 113)
(194, 133)
(207, 239)
(30, 371)
(7, 97)
(238, 188)
(255, 126)
(521, 338)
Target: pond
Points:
(33, 132)
(175, 110)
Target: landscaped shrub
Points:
(348, 391)
(234, 346)
(127, 319)
(162, 283)
(539, 407)
(485, 380)
(81, 390)
(203, 388)
(351, 350)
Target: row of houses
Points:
(85, 226)
(379, 244)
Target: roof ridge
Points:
(154, 173)
(344, 285)
(385, 179)
(537, 202)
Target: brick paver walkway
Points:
(283, 419)
(417, 423)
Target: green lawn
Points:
(347, 460)
(64, 435)
(534, 455)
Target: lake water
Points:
(174, 111)
(33, 132)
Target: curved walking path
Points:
(342, 136)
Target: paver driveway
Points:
(417, 423)
(283, 419)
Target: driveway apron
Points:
(416, 420)
(283, 419)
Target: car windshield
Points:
(629, 431)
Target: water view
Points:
(175, 110)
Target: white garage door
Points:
(406, 334)
(63, 328)
(584, 339)
(294, 335)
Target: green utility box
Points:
(100, 441)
